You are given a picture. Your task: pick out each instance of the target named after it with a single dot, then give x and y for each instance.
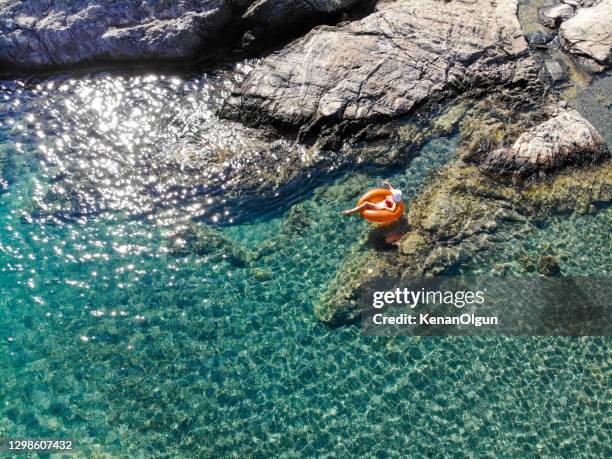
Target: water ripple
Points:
(130, 143)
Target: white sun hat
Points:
(397, 194)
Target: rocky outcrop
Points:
(582, 28)
(52, 33)
(565, 138)
(459, 213)
(385, 65)
(589, 34)
(55, 33)
(465, 208)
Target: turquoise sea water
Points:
(111, 338)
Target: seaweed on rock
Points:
(467, 202)
(203, 240)
(461, 211)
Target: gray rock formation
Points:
(540, 37)
(385, 65)
(552, 16)
(49, 33)
(589, 33)
(566, 138)
(555, 70)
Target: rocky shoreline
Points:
(460, 212)
(369, 87)
(51, 34)
(339, 79)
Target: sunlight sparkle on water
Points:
(136, 144)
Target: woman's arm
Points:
(388, 185)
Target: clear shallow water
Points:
(110, 338)
(146, 145)
(581, 244)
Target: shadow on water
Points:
(277, 202)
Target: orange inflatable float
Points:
(382, 216)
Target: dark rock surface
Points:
(540, 37)
(549, 266)
(268, 18)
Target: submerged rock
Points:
(339, 302)
(202, 240)
(297, 221)
(555, 70)
(565, 138)
(588, 33)
(549, 266)
(405, 54)
(5, 160)
(262, 274)
(54, 33)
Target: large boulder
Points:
(48, 33)
(588, 34)
(565, 138)
(390, 62)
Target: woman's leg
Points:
(365, 205)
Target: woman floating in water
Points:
(389, 203)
